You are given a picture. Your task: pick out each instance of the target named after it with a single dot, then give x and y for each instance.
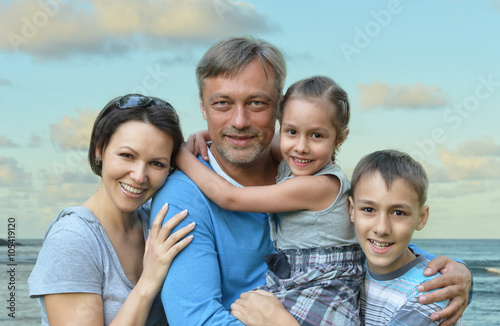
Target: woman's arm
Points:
(161, 249)
(304, 192)
(261, 308)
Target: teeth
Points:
(301, 161)
(132, 189)
(379, 245)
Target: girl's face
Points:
(308, 137)
(135, 164)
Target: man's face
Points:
(240, 113)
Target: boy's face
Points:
(385, 220)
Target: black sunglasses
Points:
(134, 101)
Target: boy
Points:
(387, 203)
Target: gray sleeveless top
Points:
(331, 227)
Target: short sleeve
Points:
(68, 262)
(415, 313)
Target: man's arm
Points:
(191, 294)
(455, 283)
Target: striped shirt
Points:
(392, 298)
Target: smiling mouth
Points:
(380, 245)
(298, 160)
(132, 189)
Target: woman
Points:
(95, 267)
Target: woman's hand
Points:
(162, 247)
(261, 308)
(454, 283)
(197, 144)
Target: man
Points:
(240, 82)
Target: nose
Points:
(382, 225)
(302, 145)
(241, 119)
(139, 173)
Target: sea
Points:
(482, 257)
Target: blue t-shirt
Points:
(225, 258)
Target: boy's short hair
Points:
(393, 164)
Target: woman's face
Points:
(135, 164)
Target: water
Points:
(482, 256)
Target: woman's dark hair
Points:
(150, 110)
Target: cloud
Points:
(35, 141)
(12, 174)
(463, 188)
(483, 146)
(6, 142)
(5, 82)
(390, 96)
(73, 133)
(472, 160)
(496, 4)
(57, 28)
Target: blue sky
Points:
(423, 77)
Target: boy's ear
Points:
(422, 219)
(351, 208)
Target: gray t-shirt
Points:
(77, 256)
(304, 229)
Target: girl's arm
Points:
(305, 192)
(161, 249)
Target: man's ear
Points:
(423, 217)
(202, 107)
(351, 208)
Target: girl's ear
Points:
(342, 138)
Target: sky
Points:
(423, 77)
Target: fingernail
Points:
(435, 317)
(422, 298)
(165, 206)
(428, 271)
(191, 225)
(420, 288)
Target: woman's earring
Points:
(97, 161)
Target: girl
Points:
(95, 267)
(317, 270)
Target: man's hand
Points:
(454, 283)
(261, 308)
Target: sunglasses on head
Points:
(135, 101)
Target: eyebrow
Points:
(135, 153)
(374, 203)
(250, 96)
(321, 129)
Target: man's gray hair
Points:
(229, 56)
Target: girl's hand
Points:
(261, 308)
(197, 144)
(162, 247)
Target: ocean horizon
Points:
(481, 255)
